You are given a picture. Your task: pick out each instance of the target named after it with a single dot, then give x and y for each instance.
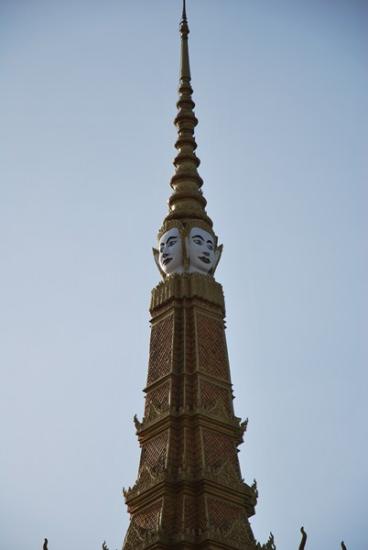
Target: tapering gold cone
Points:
(187, 203)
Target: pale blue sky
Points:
(88, 93)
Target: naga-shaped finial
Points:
(45, 543)
(304, 539)
(343, 545)
(244, 425)
(137, 424)
(254, 488)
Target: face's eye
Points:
(161, 247)
(197, 241)
(210, 246)
(172, 242)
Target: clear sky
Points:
(87, 100)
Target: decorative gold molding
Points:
(188, 285)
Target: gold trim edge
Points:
(188, 285)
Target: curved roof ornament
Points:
(304, 539)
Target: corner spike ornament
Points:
(187, 242)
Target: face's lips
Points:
(204, 259)
(167, 260)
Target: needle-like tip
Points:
(184, 15)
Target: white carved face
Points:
(201, 250)
(170, 251)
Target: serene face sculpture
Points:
(170, 252)
(201, 250)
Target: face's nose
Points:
(205, 253)
(165, 251)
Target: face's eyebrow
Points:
(198, 237)
(171, 239)
(209, 241)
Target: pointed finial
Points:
(343, 545)
(184, 31)
(184, 15)
(187, 203)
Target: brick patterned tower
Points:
(189, 493)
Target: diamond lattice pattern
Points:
(154, 453)
(219, 449)
(160, 349)
(212, 347)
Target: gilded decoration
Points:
(212, 350)
(225, 473)
(188, 286)
(189, 492)
(189, 478)
(160, 357)
(138, 538)
(215, 400)
(154, 453)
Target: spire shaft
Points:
(184, 16)
(186, 201)
(184, 31)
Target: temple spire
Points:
(189, 492)
(187, 201)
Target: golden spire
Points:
(187, 201)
